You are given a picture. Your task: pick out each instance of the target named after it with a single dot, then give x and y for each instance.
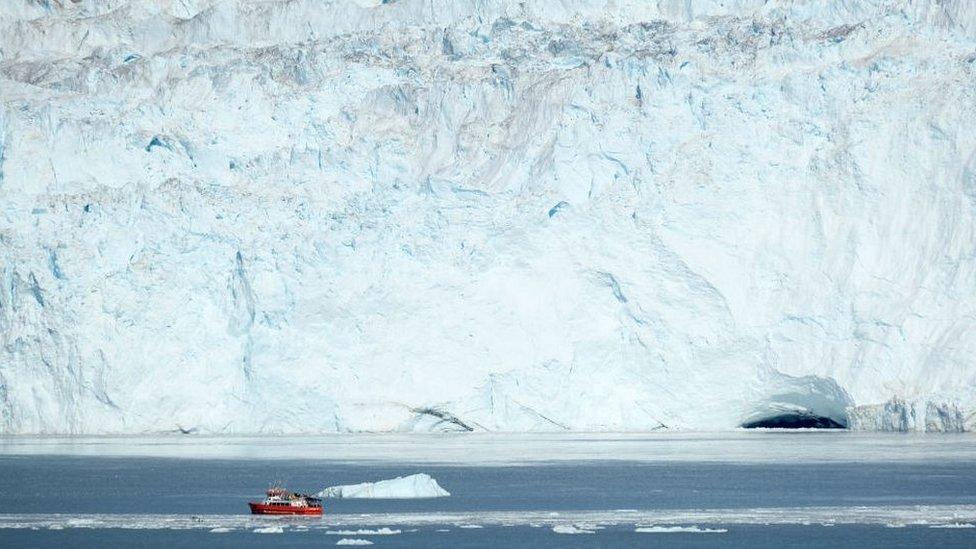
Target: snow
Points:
(678, 530)
(292, 216)
(420, 485)
(353, 541)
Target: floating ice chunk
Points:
(679, 529)
(954, 525)
(470, 526)
(269, 530)
(353, 541)
(413, 486)
(220, 530)
(381, 532)
(570, 529)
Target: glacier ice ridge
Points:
(298, 216)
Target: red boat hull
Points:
(262, 509)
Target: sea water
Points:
(756, 489)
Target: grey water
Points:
(141, 487)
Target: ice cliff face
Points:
(305, 216)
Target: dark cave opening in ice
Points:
(794, 420)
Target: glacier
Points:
(298, 216)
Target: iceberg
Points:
(420, 485)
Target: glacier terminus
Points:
(298, 216)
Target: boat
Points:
(279, 501)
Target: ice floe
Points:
(363, 532)
(678, 529)
(570, 529)
(353, 541)
(952, 516)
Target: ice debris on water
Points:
(571, 529)
(678, 530)
(363, 532)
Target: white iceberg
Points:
(269, 530)
(353, 541)
(420, 485)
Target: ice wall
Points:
(305, 216)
